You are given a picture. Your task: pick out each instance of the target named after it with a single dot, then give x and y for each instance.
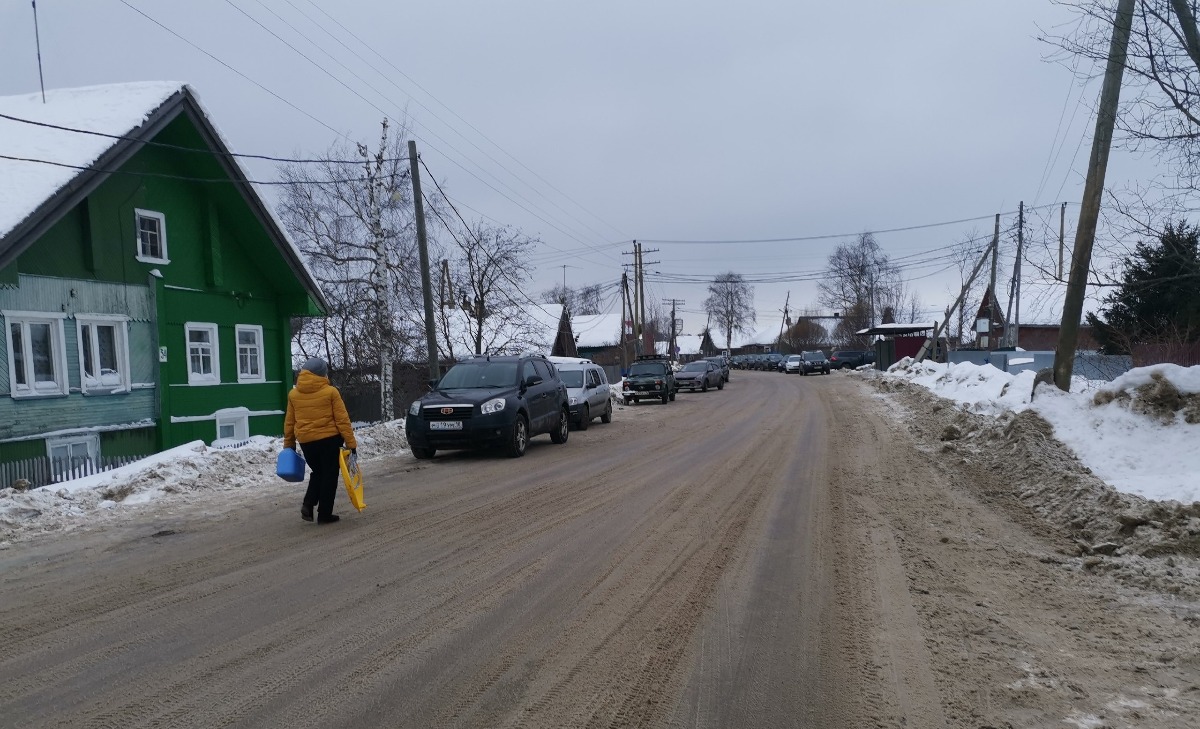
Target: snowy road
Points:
(776, 554)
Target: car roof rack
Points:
(651, 356)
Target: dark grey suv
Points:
(490, 402)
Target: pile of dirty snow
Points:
(1111, 465)
(1137, 433)
(187, 472)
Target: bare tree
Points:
(351, 215)
(584, 301)
(805, 333)
(860, 282)
(730, 304)
(966, 253)
(490, 314)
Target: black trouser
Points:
(322, 458)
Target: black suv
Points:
(490, 401)
(651, 377)
(814, 361)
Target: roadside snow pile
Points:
(1137, 433)
(1115, 469)
(192, 470)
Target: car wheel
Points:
(704, 387)
(585, 418)
(672, 397)
(559, 434)
(606, 416)
(720, 384)
(665, 397)
(518, 439)
(422, 453)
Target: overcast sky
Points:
(591, 124)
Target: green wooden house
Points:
(146, 290)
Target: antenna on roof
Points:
(38, 41)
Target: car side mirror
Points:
(532, 380)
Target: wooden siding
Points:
(31, 417)
(71, 296)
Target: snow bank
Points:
(1135, 448)
(187, 471)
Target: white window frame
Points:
(58, 354)
(257, 330)
(239, 418)
(138, 214)
(121, 324)
(193, 377)
(91, 440)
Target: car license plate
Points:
(446, 425)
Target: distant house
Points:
(146, 290)
(1044, 338)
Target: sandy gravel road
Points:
(679, 567)
(743, 558)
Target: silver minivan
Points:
(588, 391)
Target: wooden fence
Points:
(45, 471)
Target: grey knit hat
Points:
(317, 366)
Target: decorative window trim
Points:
(91, 440)
(139, 213)
(120, 323)
(58, 353)
(238, 418)
(257, 329)
(202, 379)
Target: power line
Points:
(797, 239)
(381, 111)
(184, 148)
(186, 178)
(231, 68)
(411, 80)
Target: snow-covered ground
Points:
(1139, 433)
(187, 473)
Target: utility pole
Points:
(1093, 191)
(423, 249)
(1016, 340)
(786, 300)
(626, 309)
(992, 289)
(635, 305)
(1062, 229)
(641, 276)
(931, 343)
(674, 331)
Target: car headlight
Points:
(574, 399)
(415, 408)
(492, 406)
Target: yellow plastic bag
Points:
(353, 480)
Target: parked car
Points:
(700, 375)
(850, 358)
(488, 402)
(587, 390)
(771, 361)
(791, 365)
(813, 362)
(650, 377)
(722, 362)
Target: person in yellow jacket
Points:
(317, 419)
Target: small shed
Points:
(897, 341)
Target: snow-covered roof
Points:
(115, 109)
(897, 328)
(596, 330)
(47, 162)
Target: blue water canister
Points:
(289, 465)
